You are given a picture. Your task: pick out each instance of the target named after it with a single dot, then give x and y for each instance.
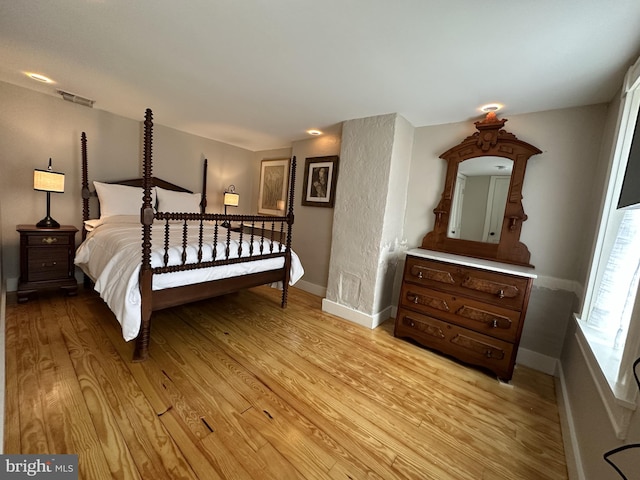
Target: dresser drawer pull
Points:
(52, 264)
(480, 348)
(431, 330)
(427, 301)
(500, 290)
(492, 320)
(424, 273)
(49, 240)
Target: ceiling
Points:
(259, 73)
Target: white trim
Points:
(618, 409)
(491, 265)
(632, 78)
(568, 426)
(620, 150)
(355, 316)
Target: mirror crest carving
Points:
(501, 243)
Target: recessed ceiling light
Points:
(314, 132)
(38, 77)
(491, 107)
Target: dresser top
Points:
(474, 262)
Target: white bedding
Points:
(111, 257)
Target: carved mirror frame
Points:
(489, 140)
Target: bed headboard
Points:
(87, 192)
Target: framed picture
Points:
(274, 186)
(320, 176)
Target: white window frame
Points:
(617, 389)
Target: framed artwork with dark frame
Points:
(274, 185)
(320, 177)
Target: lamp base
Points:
(47, 222)
(226, 224)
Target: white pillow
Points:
(94, 223)
(120, 199)
(178, 202)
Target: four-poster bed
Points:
(187, 255)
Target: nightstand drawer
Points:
(48, 264)
(46, 240)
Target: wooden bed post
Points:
(146, 218)
(287, 258)
(203, 202)
(85, 184)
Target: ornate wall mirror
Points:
(480, 213)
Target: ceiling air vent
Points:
(72, 97)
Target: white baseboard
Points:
(12, 284)
(355, 316)
(571, 448)
(537, 361)
(318, 290)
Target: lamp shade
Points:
(231, 199)
(48, 181)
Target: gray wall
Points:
(313, 225)
(35, 126)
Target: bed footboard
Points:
(259, 238)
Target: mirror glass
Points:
(479, 199)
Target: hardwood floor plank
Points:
(191, 448)
(33, 433)
(461, 422)
(238, 388)
(12, 428)
(291, 442)
(288, 376)
(457, 438)
(115, 397)
(83, 439)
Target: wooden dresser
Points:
(468, 308)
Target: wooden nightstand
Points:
(46, 259)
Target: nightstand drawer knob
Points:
(49, 240)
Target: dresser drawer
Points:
(496, 288)
(467, 312)
(464, 344)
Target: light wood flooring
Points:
(238, 388)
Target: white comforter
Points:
(111, 257)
